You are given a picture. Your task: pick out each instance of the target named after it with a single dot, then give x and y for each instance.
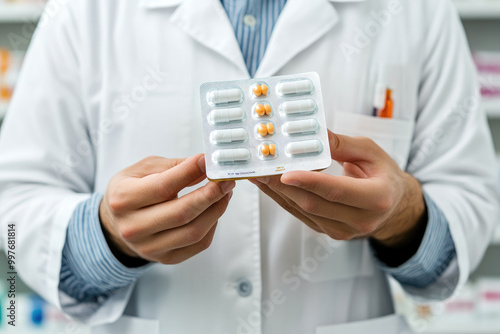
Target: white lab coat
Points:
(107, 83)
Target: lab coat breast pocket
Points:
(392, 135)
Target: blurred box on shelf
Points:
(474, 309)
(488, 298)
(488, 67)
(10, 65)
(22, 2)
(33, 315)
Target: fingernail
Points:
(264, 180)
(230, 194)
(201, 164)
(227, 186)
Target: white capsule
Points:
(229, 136)
(298, 107)
(219, 116)
(301, 127)
(304, 147)
(297, 87)
(231, 156)
(225, 96)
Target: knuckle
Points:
(278, 185)
(334, 194)
(194, 235)
(181, 217)
(288, 206)
(194, 172)
(168, 260)
(146, 252)
(205, 243)
(384, 203)
(167, 189)
(150, 161)
(366, 141)
(220, 207)
(342, 235)
(367, 227)
(308, 205)
(128, 233)
(175, 258)
(214, 191)
(116, 200)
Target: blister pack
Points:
(266, 126)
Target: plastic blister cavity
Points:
(266, 126)
(295, 87)
(231, 156)
(262, 109)
(225, 96)
(304, 147)
(265, 130)
(221, 116)
(260, 89)
(268, 150)
(229, 136)
(298, 107)
(304, 126)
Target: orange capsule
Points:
(264, 149)
(260, 110)
(272, 149)
(264, 89)
(270, 128)
(262, 130)
(257, 90)
(268, 110)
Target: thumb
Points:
(353, 149)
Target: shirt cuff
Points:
(89, 270)
(434, 255)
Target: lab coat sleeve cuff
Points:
(436, 252)
(90, 273)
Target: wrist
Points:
(116, 245)
(409, 219)
(408, 226)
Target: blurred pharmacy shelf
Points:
(3, 110)
(19, 12)
(492, 108)
(478, 9)
(461, 326)
(496, 241)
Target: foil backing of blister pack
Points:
(303, 91)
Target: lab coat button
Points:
(244, 287)
(249, 20)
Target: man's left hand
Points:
(374, 198)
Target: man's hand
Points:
(143, 217)
(374, 198)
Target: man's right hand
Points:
(143, 217)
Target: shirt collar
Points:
(173, 3)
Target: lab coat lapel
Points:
(206, 21)
(300, 24)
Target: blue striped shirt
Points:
(90, 272)
(253, 22)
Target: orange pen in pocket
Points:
(386, 112)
